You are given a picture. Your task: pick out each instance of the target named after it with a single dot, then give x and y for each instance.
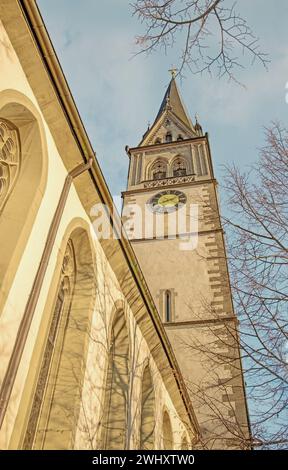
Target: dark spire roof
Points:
(172, 100)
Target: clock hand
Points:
(168, 198)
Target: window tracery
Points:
(159, 170)
(9, 159)
(179, 167)
(63, 300)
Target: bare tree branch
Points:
(257, 228)
(211, 34)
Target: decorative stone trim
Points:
(169, 181)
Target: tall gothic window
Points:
(179, 167)
(9, 159)
(184, 443)
(159, 170)
(168, 309)
(167, 435)
(62, 304)
(23, 170)
(117, 387)
(168, 137)
(59, 370)
(147, 427)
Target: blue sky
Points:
(117, 95)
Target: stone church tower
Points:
(171, 216)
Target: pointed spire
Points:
(173, 99)
(173, 104)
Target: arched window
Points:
(168, 305)
(167, 432)
(147, 427)
(57, 394)
(62, 303)
(158, 140)
(23, 171)
(117, 386)
(9, 159)
(168, 137)
(180, 137)
(184, 442)
(158, 170)
(179, 167)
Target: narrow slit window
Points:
(168, 306)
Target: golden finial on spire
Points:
(173, 71)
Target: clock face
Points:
(167, 201)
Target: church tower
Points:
(171, 215)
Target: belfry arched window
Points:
(158, 170)
(180, 137)
(158, 140)
(168, 137)
(179, 167)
